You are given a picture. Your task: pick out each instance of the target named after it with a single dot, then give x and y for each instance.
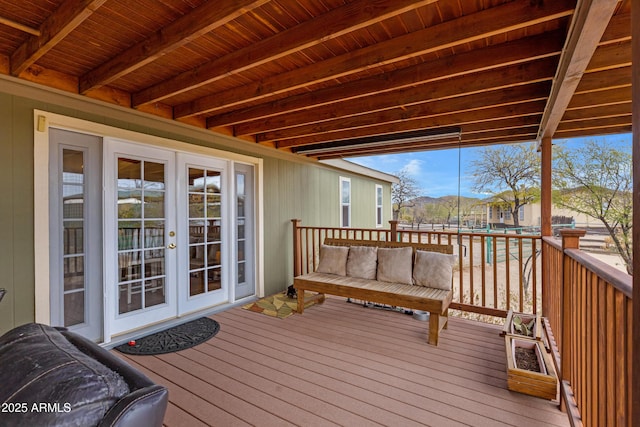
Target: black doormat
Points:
(173, 339)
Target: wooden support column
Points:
(570, 240)
(546, 155)
(635, 101)
(394, 230)
(545, 186)
(297, 248)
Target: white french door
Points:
(168, 234)
(139, 235)
(204, 232)
(135, 230)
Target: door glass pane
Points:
(346, 192)
(245, 285)
(74, 308)
(205, 230)
(154, 204)
(196, 180)
(141, 234)
(129, 235)
(153, 176)
(213, 205)
(154, 291)
(73, 231)
(129, 203)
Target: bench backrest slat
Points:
(445, 249)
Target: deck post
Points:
(297, 248)
(546, 229)
(394, 230)
(546, 155)
(570, 240)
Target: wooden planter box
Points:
(509, 328)
(540, 384)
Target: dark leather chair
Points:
(51, 376)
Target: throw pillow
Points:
(433, 270)
(362, 262)
(333, 260)
(394, 265)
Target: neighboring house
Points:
(114, 221)
(529, 216)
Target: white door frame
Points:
(43, 120)
(91, 148)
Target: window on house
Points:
(508, 213)
(345, 202)
(490, 212)
(521, 213)
(378, 205)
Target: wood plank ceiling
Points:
(322, 78)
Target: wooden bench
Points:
(435, 301)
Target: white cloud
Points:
(413, 167)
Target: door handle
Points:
(171, 246)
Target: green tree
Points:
(450, 207)
(510, 173)
(596, 180)
(403, 192)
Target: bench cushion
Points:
(362, 262)
(333, 260)
(433, 270)
(395, 265)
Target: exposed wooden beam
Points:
(587, 27)
(333, 24)
(466, 29)
(514, 101)
(468, 129)
(18, 26)
(185, 29)
(467, 84)
(476, 61)
(391, 148)
(489, 138)
(65, 19)
(468, 117)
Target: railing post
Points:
(297, 248)
(394, 230)
(570, 240)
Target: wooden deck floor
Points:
(342, 364)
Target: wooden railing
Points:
(495, 272)
(587, 304)
(589, 307)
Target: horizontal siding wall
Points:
(292, 189)
(312, 194)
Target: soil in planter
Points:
(526, 359)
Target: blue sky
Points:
(436, 172)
